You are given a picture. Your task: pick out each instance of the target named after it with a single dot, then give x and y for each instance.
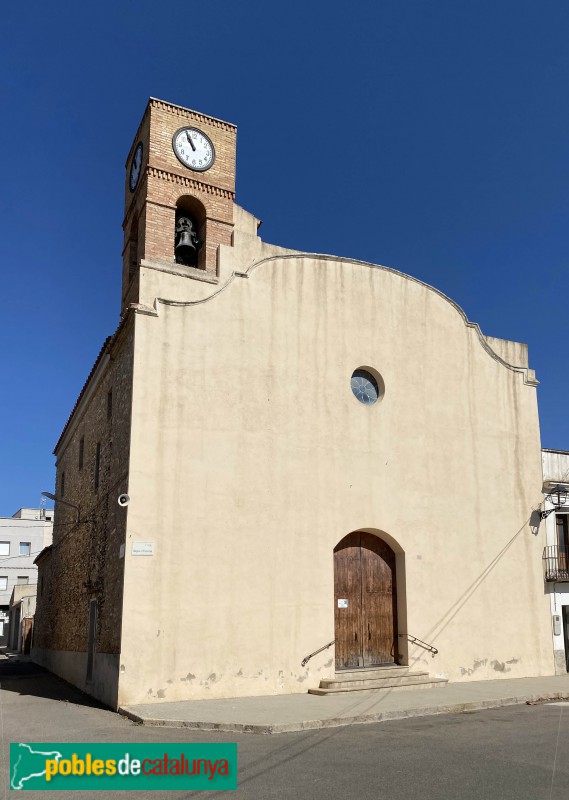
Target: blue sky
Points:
(451, 120)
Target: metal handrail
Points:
(305, 661)
(414, 640)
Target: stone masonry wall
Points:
(85, 562)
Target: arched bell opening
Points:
(132, 248)
(367, 601)
(189, 235)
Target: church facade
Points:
(285, 464)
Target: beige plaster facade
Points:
(247, 458)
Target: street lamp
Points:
(63, 502)
(557, 497)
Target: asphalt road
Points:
(518, 752)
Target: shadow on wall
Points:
(433, 634)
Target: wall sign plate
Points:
(142, 549)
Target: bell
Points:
(185, 250)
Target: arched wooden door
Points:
(365, 602)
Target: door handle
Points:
(368, 632)
(355, 636)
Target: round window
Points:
(366, 387)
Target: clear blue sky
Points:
(454, 118)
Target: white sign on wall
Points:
(142, 548)
(342, 602)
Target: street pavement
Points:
(519, 751)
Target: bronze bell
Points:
(186, 250)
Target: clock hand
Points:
(190, 141)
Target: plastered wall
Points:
(251, 459)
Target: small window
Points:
(109, 404)
(81, 451)
(4, 548)
(367, 385)
(25, 548)
(3, 583)
(97, 465)
(22, 579)
(63, 484)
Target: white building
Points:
(22, 537)
(556, 551)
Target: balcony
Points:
(556, 563)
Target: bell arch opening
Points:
(189, 234)
(132, 248)
(369, 600)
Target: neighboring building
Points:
(316, 450)
(21, 618)
(22, 537)
(556, 553)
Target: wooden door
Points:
(365, 602)
(562, 544)
(565, 618)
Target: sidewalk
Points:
(299, 712)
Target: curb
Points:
(337, 722)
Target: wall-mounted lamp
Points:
(558, 497)
(63, 502)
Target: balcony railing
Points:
(556, 563)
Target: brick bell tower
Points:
(179, 193)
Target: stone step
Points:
(353, 683)
(375, 673)
(419, 682)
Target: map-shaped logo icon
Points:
(29, 764)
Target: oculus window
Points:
(367, 387)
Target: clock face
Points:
(135, 167)
(193, 148)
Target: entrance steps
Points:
(377, 678)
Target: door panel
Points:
(379, 605)
(347, 586)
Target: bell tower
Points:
(179, 194)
